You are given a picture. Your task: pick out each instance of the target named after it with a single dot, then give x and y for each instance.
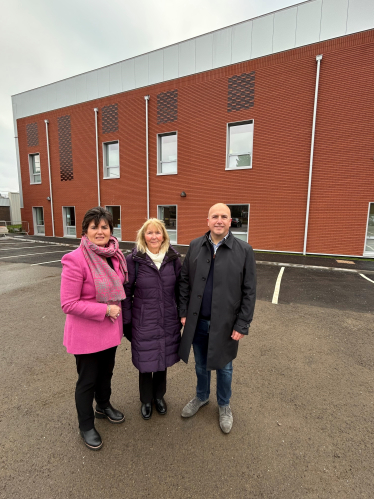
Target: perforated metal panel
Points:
(241, 91)
(32, 134)
(167, 106)
(65, 149)
(109, 118)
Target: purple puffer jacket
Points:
(151, 307)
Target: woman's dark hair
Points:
(95, 215)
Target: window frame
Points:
(368, 254)
(249, 208)
(120, 218)
(159, 149)
(176, 220)
(32, 174)
(64, 221)
(228, 126)
(105, 166)
(34, 219)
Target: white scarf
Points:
(157, 258)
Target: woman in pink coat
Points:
(92, 289)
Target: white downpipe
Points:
(146, 97)
(50, 178)
(97, 159)
(318, 59)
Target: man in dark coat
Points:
(216, 304)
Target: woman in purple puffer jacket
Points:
(150, 311)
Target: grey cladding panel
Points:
(32, 134)
(241, 91)
(64, 145)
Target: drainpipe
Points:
(318, 59)
(50, 179)
(146, 97)
(97, 159)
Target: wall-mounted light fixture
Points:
(183, 194)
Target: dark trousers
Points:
(152, 386)
(95, 371)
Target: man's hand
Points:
(183, 321)
(236, 336)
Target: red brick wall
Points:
(276, 186)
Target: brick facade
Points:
(280, 102)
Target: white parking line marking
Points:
(32, 254)
(277, 287)
(27, 247)
(364, 276)
(44, 263)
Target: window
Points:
(239, 145)
(369, 243)
(38, 217)
(68, 213)
(167, 153)
(169, 216)
(239, 220)
(111, 159)
(115, 211)
(34, 164)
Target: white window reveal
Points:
(239, 220)
(111, 159)
(239, 145)
(34, 164)
(167, 153)
(168, 214)
(68, 214)
(38, 217)
(369, 243)
(115, 211)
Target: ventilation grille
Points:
(64, 144)
(109, 118)
(167, 107)
(32, 134)
(241, 92)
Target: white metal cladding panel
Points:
(103, 82)
(262, 36)
(334, 18)
(222, 48)
(155, 67)
(284, 29)
(204, 53)
(115, 78)
(360, 15)
(128, 74)
(308, 23)
(81, 87)
(141, 71)
(15, 206)
(92, 88)
(187, 63)
(171, 62)
(241, 42)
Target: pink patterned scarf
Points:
(109, 288)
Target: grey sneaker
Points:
(192, 407)
(225, 418)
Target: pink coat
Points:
(87, 329)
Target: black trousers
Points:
(152, 386)
(95, 371)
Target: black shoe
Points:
(92, 439)
(161, 406)
(146, 411)
(111, 414)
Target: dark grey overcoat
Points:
(233, 301)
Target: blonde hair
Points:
(141, 245)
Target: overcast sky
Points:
(42, 41)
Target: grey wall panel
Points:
(171, 62)
(128, 74)
(92, 87)
(360, 15)
(155, 66)
(308, 23)
(141, 71)
(204, 53)
(103, 82)
(284, 29)
(334, 18)
(81, 87)
(115, 78)
(262, 36)
(241, 42)
(186, 55)
(222, 48)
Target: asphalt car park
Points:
(302, 395)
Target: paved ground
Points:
(302, 396)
